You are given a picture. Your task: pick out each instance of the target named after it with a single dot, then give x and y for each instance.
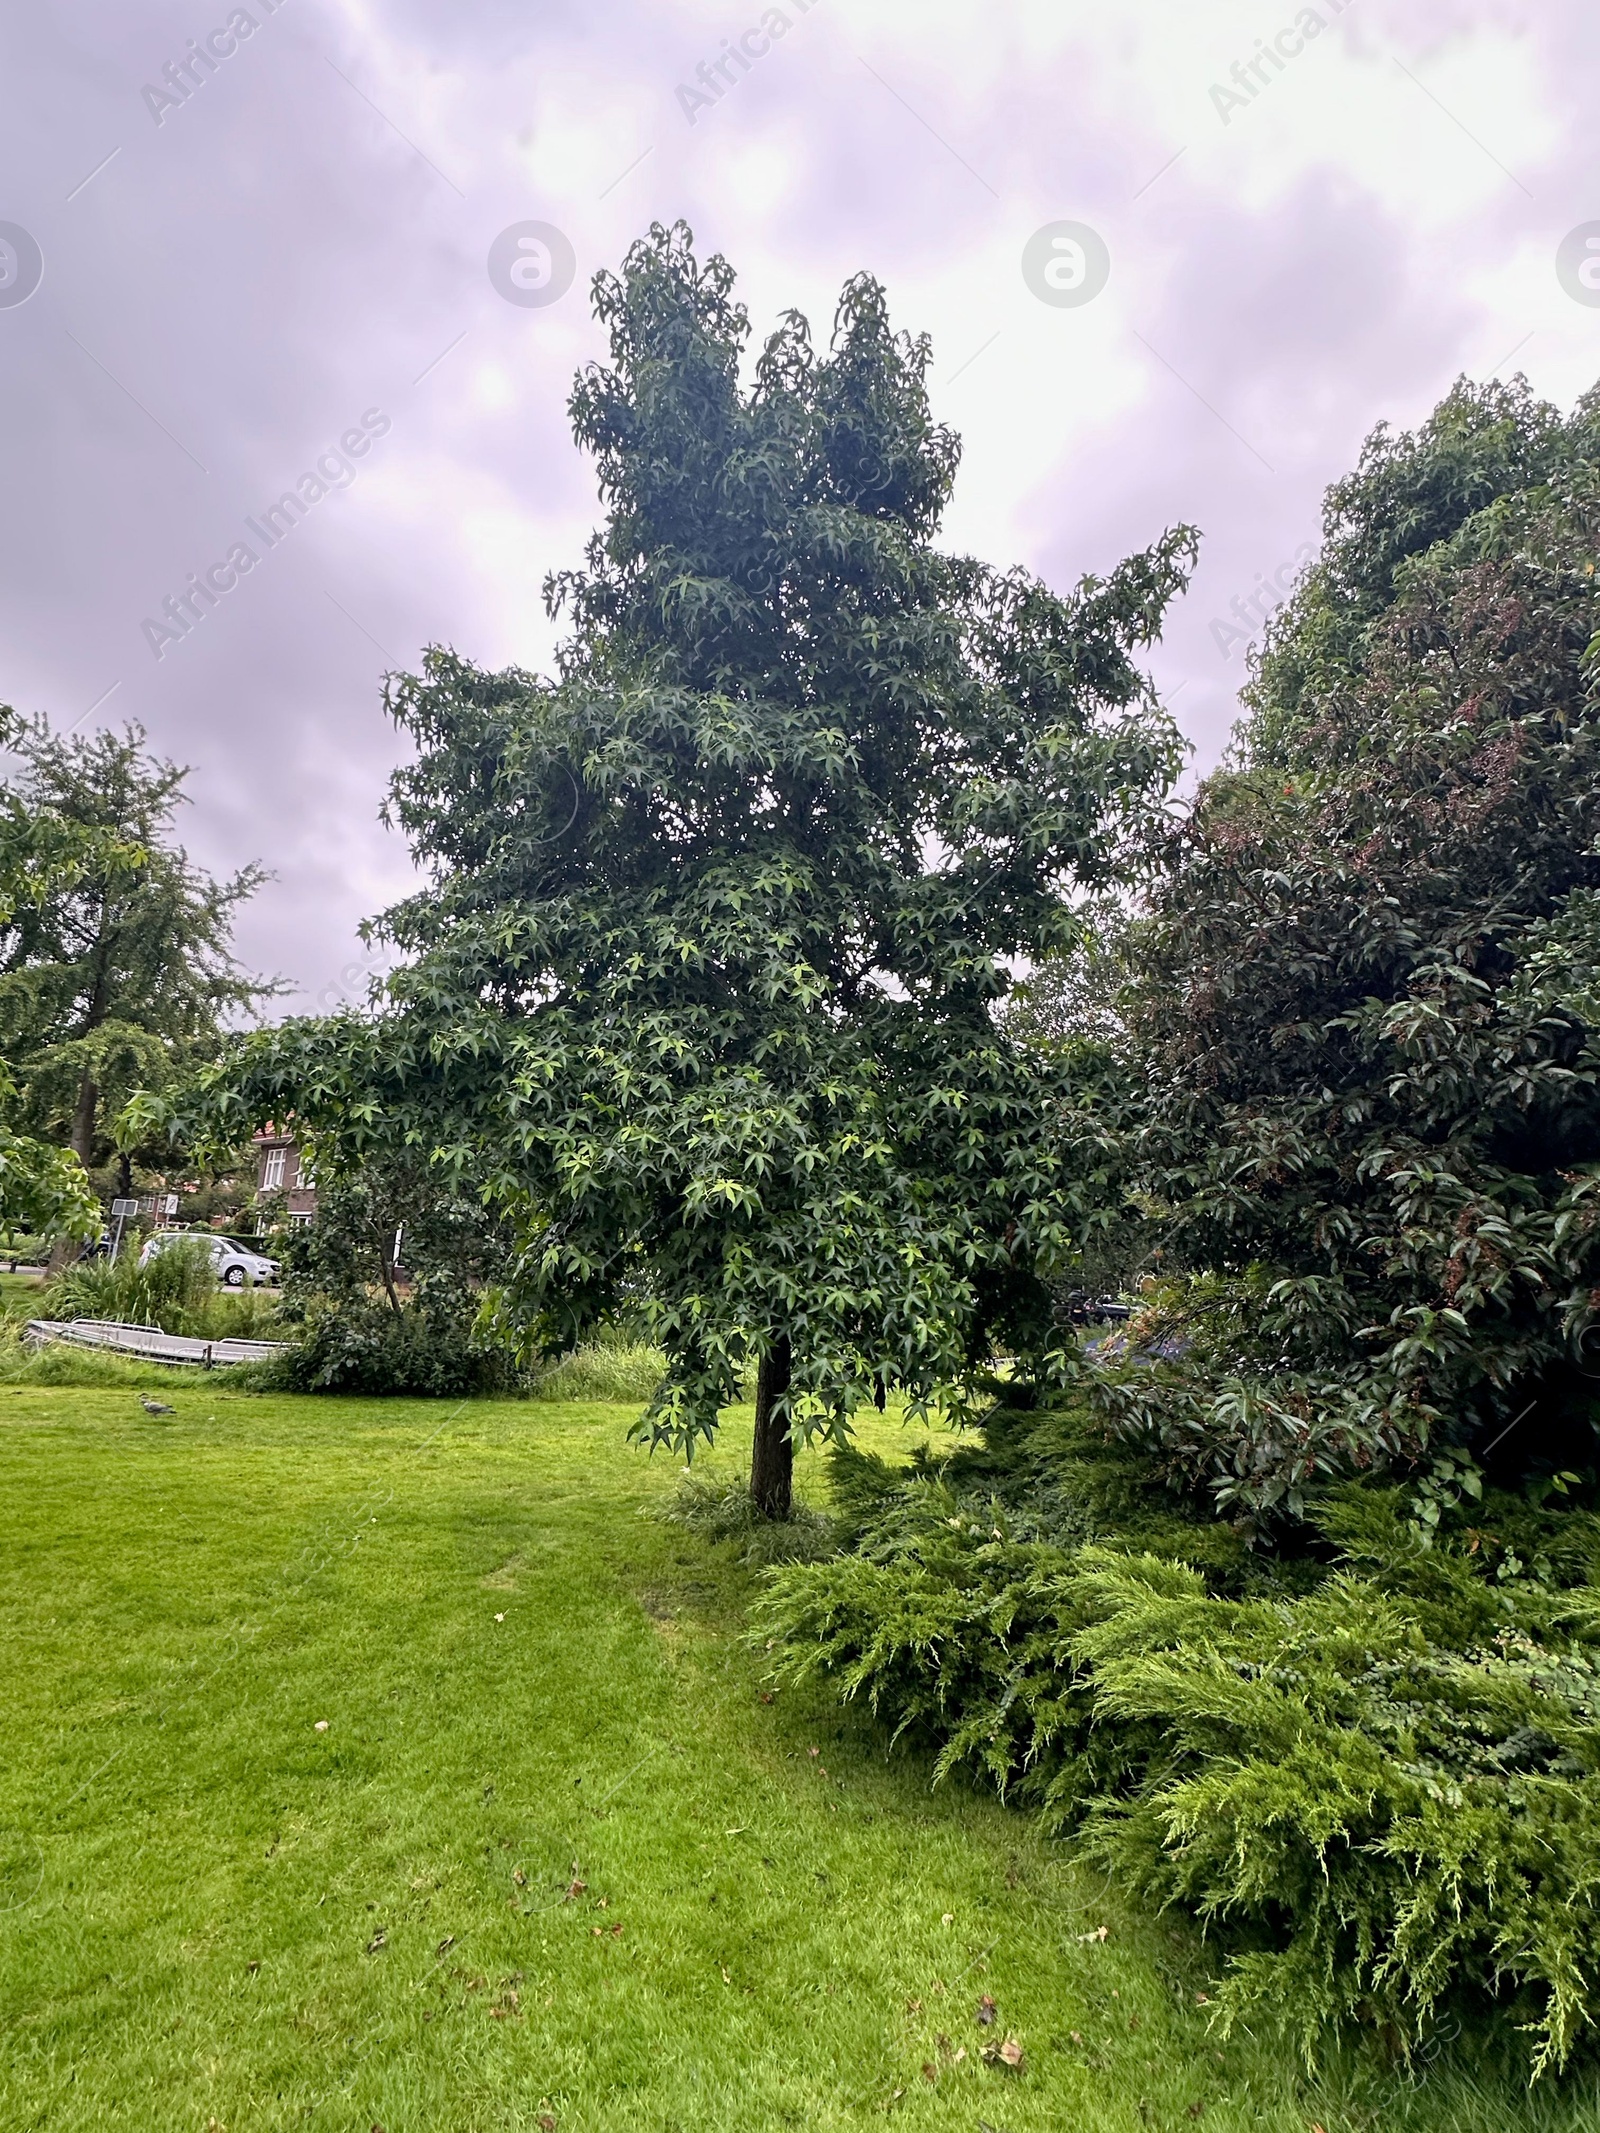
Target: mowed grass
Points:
(556, 1856)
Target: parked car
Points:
(236, 1263)
(1086, 1310)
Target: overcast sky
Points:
(1315, 218)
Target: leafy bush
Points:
(368, 1346)
(1374, 1769)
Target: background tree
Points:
(702, 979)
(387, 1284)
(116, 971)
(1371, 995)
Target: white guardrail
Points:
(148, 1341)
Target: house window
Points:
(272, 1169)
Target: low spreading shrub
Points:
(1371, 1768)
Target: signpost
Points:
(120, 1211)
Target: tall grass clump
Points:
(619, 1370)
(177, 1292)
(721, 1508)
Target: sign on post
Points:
(120, 1211)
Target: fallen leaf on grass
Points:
(547, 2122)
(1099, 1933)
(986, 2010)
(1007, 2054)
(444, 1947)
(616, 1930)
(380, 1939)
(574, 1890)
(321, 1726)
(519, 1877)
(929, 2071)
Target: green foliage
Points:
(1374, 1772)
(44, 1193)
(176, 1291)
(365, 1321)
(700, 985)
(373, 1347)
(451, 1248)
(1367, 1119)
(115, 965)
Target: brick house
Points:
(280, 1168)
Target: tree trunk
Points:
(772, 1458)
(82, 1141)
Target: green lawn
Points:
(555, 1856)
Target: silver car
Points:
(236, 1264)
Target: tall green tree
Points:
(1370, 1013)
(703, 973)
(116, 969)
